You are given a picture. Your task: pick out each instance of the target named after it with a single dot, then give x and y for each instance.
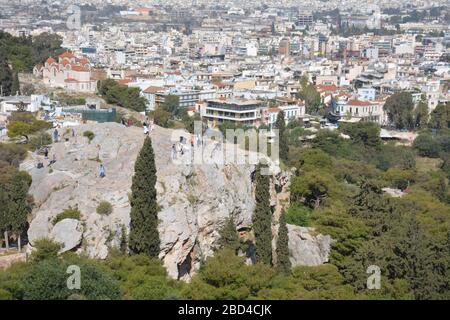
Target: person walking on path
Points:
(46, 152)
(146, 130)
(101, 171)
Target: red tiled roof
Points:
(358, 103)
(143, 10)
(152, 89)
(286, 99)
(70, 80)
(50, 60)
(273, 110)
(219, 84)
(83, 61)
(66, 54)
(322, 88)
(79, 68)
(123, 82)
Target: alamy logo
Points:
(74, 280)
(237, 146)
(74, 19)
(374, 280)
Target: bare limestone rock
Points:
(307, 249)
(68, 233)
(195, 199)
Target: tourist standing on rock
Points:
(152, 125)
(101, 171)
(55, 135)
(174, 152)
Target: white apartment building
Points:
(353, 109)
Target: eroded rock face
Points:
(306, 248)
(195, 199)
(68, 233)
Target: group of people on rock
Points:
(149, 126)
(182, 146)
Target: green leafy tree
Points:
(127, 97)
(47, 280)
(161, 117)
(280, 124)
(310, 95)
(283, 262)
(144, 235)
(312, 188)
(440, 117)
(171, 103)
(421, 115)
(399, 108)
(426, 146)
(43, 46)
(12, 154)
(366, 133)
(262, 218)
(24, 124)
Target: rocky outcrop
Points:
(306, 248)
(195, 199)
(68, 233)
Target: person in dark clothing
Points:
(55, 135)
(174, 152)
(52, 161)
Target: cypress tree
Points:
(283, 143)
(15, 207)
(144, 236)
(15, 86)
(262, 219)
(18, 204)
(283, 262)
(123, 240)
(6, 76)
(228, 236)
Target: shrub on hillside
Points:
(104, 208)
(69, 213)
